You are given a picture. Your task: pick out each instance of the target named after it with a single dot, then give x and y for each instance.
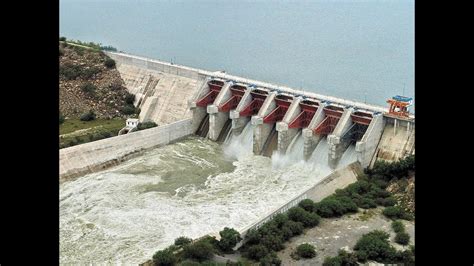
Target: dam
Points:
(227, 152)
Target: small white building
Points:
(132, 122)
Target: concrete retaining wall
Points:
(328, 185)
(97, 155)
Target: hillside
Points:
(86, 83)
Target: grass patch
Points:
(89, 130)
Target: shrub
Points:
(368, 203)
(128, 109)
(396, 212)
(402, 238)
(374, 246)
(146, 125)
(70, 71)
(164, 258)
(63, 39)
(89, 116)
(273, 242)
(256, 252)
(387, 202)
(306, 251)
(296, 228)
(398, 226)
(307, 205)
(88, 73)
(109, 63)
(270, 259)
(89, 88)
(61, 119)
(252, 237)
(343, 258)
(308, 219)
(200, 250)
(229, 238)
(182, 240)
(129, 98)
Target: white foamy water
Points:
(241, 145)
(294, 153)
(319, 157)
(125, 214)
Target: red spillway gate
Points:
(361, 118)
(302, 120)
(237, 92)
(215, 87)
(282, 102)
(332, 116)
(258, 97)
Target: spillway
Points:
(128, 212)
(241, 145)
(294, 153)
(349, 156)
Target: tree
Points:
(164, 258)
(402, 238)
(374, 246)
(182, 240)
(307, 205)
(296, 228)
(130, 98)
(200, 251)
(229, 238)
(256, 252)
(306, 251)
(89, 88)
(308, 219)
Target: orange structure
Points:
(399, 106)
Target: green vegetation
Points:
(89, 88)
(396, 212)
(388, 171)
(181, 241)
(89, 116)
(304, 251)
(109, 62)
(200, 250)
(146, 125)
(108, 48)
(164, 258)
(343, 258)
(398, 226)
(75, 131)
(129, 109)
(373, 246)
(402, 238)
(61, 119)
(71, 71)
(229, 238)
(130, 98)
(63, 39)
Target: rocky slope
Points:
(85, 83)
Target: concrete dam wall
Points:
(166, 92)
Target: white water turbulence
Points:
(123, 215)
(294, 153)
(319, 157)
(349, 156)
(241, 145)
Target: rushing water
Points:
(359, 50)
(125, 214)
(241, 145)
